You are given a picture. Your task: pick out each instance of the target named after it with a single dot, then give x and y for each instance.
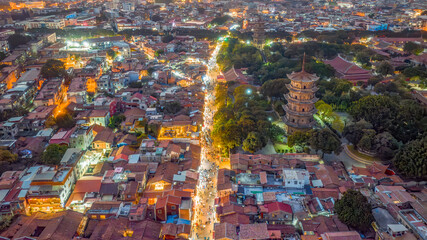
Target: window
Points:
(295, 182)
(173, 207)
(159, 211)
(102, 217)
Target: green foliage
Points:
(234, 121)
(402, 118)
(116, 120)
(53, 68)
(253, 142)
(7, 157)
(172, 107)
(5, 222)
(354, 210)
(338, 93)
(385, 145)
(364, 58)
(53, 154)
(135, 84)
(325, 140)
(221, 20)
(275, 88)
(2, 56)
(385, 68)
(65, 121)
(378, 110)
(413, 48)
(299, 138)
(167, 38)
(354, 132)
(111, 53)
(418, 71)
(233, 53)
(74, 33)
(17, 39)
(411, 158)
(156, 18)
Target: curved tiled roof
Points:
(303, 76)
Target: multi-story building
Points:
(301, 99)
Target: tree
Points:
(275, 88)
(299, 138)
(354, 210)
(385, 68)
(220, 20)
(363, 58)
(5, 221)
(366, 142)
(385, 145)
(156, 18)
(2, 56)
(201, 10)
(53, 154)
(7, 157)
(377, 110)
(65, 121)
(17, 39)
(253, 142)
(413, 48)
(173, 107)
(167, 38)
(325, 140)
(53, 68)
(410, 160)
(324, 111)
(354, 132)
(111, 53)
(116, 120)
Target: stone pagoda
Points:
(259, 34)
(301, 99)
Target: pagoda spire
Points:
(303, 63)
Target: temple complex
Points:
(348, 70)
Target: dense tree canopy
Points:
(413, 48)
(325, 140)
(17, 39)
(7, 157)
(354, 210)
(235, 120)
(53, 154)
(53, 68)
(275, 88)
(411, 160)
(116, 120)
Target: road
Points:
(204, 214)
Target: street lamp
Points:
(249, 91)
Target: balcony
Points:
(295, 89)
(297, 125)
(293, 112)
(301, 101)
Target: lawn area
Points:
(283, 148)
(361, 155)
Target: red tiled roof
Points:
(279, 206)
(253, 231)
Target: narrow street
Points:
(204, 214)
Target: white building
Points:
(295, 178)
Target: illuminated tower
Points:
(259, 34)
(301, 99)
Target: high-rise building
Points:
(301, 99)
(259, 34)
